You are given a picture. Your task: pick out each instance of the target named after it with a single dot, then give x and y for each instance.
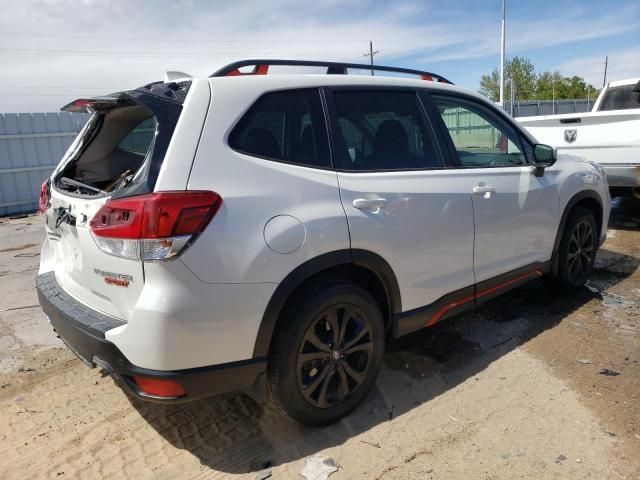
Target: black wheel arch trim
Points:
(362, 258)
(577, 198)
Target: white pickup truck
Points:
(608, 135)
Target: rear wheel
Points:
(577, 252)
(327, 354)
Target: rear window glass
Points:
(619, 98)
(113, 150)
(286, 126)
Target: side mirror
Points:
(543, 157)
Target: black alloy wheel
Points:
(577, 251)
(335, 355)
(326, 353)
(581, 250)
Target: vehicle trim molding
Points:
(465, 299)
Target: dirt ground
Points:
(533, 385)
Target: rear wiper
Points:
(75, 183)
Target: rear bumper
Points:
(622, 175)
(83, 331)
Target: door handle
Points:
(484, 189)
(369, 203)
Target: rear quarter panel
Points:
(233, 249)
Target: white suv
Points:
(270, 233)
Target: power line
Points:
(175, 40)
(142, 54)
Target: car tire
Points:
(326, 353)
(577, 251)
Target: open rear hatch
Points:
(117, 155)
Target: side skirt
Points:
(465, 299)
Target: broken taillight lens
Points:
(155, 226)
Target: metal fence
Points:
(532, 108)
(31, 145)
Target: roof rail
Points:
(261, 67)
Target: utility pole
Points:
(502, 48)
(371, 54)
(606, 62)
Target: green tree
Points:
(531, 86)
(546, 83)
(521, 70)
(554, 85)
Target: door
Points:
(515, 211)
(402, 202)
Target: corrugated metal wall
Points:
(31, 145)
(532, 108)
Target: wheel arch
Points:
(360, 266)
(588, 199)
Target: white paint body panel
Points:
(178, 160)
(181, 322)
(517, 224)
(232, 249)
(74, 256)
(574, 175)
(425, 232)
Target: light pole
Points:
(502, 48)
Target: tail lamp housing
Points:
(154, 226)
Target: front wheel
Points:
(577, 252)
(326, 354)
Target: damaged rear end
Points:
(118, 155)
(116, 203)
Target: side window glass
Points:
(480, 138)
(383, 130)
(285, 126)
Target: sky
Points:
(53, 51)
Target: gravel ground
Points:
(534, 385)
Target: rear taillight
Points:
(155, 226)
(43, 202)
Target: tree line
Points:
(529, 85)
